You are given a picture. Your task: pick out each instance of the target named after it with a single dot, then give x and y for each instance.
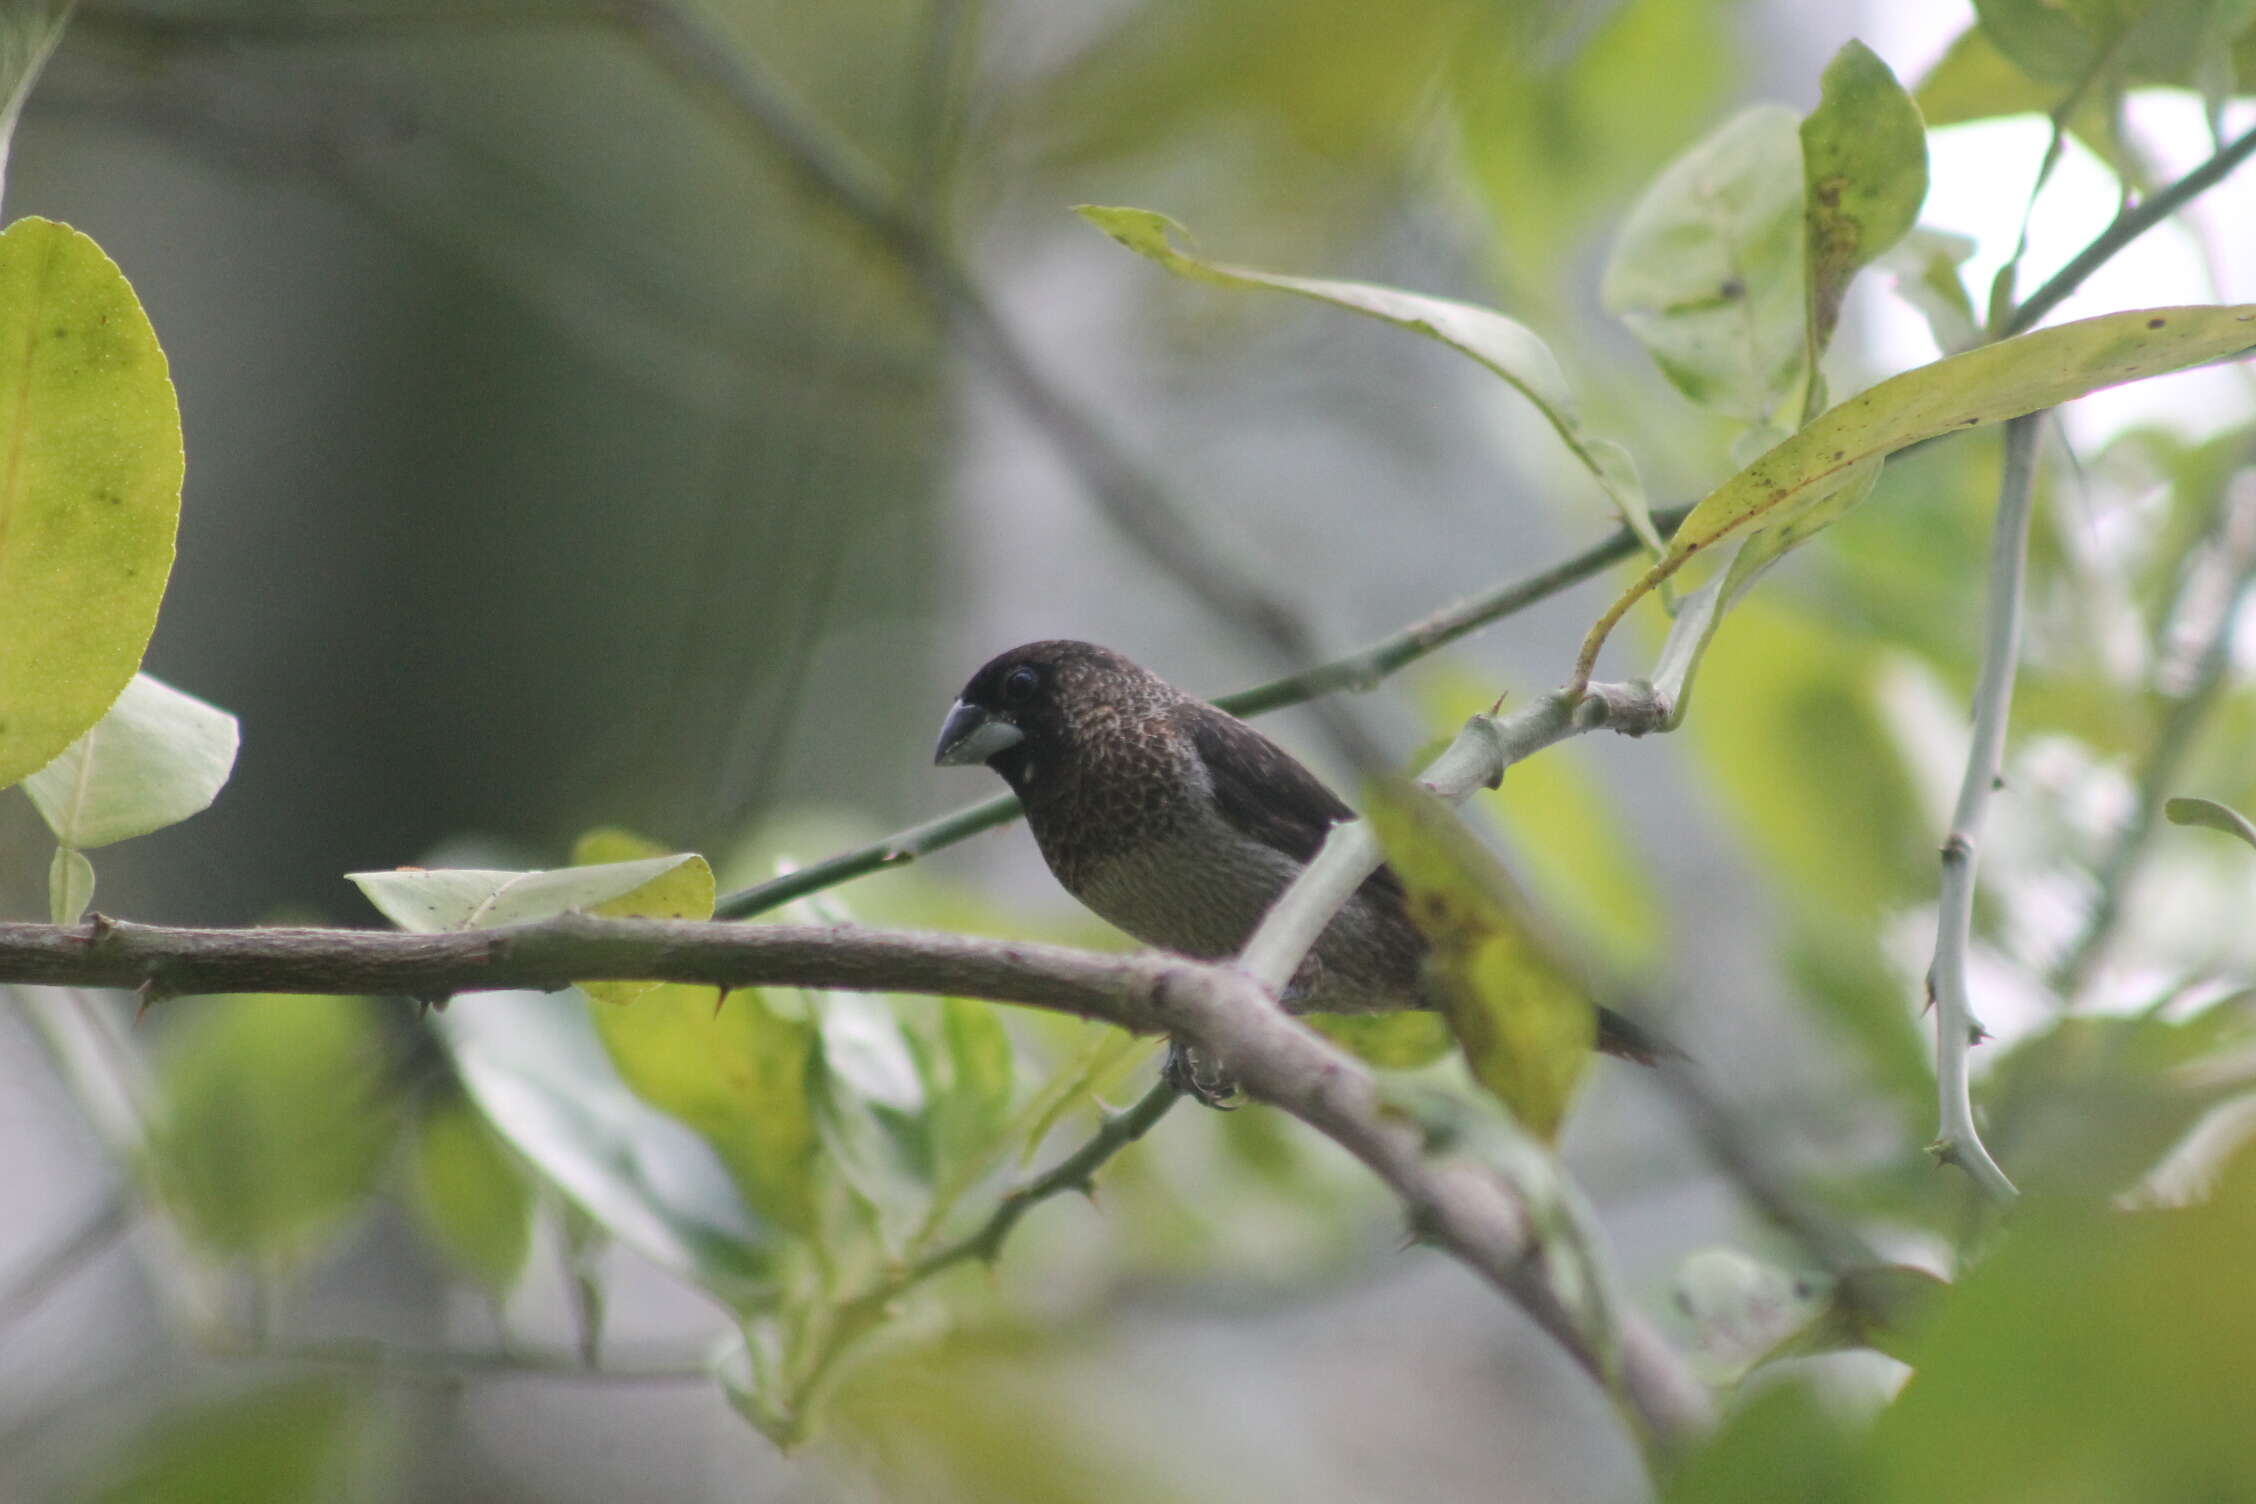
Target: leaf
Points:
(90, 470)
(70, 885)
(1707, 268)
(297, 1442)
(683, 891)
(2094, 1355)
(971, 1106)
(2186, 810)
(1506, 347)
(274, 1117)
(1701, 613)
(1864, 176)
(157, 757)
(1527, 1030)
(534, 1066)
(735, 1073)
(2025, 374)
(469, 1196)
(1926, 265)
(430, 900)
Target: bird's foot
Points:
(1199, 1076)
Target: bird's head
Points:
(1037, 704)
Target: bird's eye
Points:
(1020, 683)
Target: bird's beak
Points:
(972, 735)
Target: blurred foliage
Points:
(292, 1443)
(273, 1116)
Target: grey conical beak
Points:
(971, 734)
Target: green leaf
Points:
(157, 757)
(1805, 760)
(1509, 349)
(971, 1106)
(1926, 263)
(429, 900)
(289, 1443)
(534, 1066)
(1788, 1444)
(2208, 812)
(1707, 268)
(1390, 1041)
(90, 470)
(682, 891)
(274, 1116)
(70, 885)
(735, 1071)
(1864, 176)
(471, 1199)
(2093, 1355)
(2025, 374)
(1526, 1028)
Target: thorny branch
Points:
(1466, 1210)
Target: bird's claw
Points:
(1200, 1077)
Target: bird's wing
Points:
(1263, 791)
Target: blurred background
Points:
(565, 449)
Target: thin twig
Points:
(1359, 670)
(1076, 1172)
(1957, 1140)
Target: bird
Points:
(1175, 821)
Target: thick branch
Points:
(165, 962)
(1465, 1210)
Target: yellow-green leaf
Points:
(1504, 346)
(472, 1200)
(734, 1071)
(1864, 175)
(683, 891)
(274, 1117)
(90, 471)
(1526, 1027)
(2209, 813)
(2025, 374)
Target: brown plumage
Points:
(1181, 824)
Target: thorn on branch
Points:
(148, 995)
(1976, 1034)
(720, 1000)
(426, 1002)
